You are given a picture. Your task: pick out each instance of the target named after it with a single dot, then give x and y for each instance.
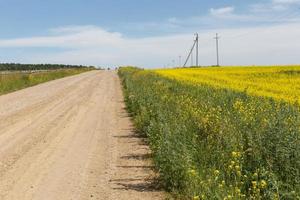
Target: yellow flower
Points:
(234, 154)
(269, 86)
(263, 184)
(192, 172)
(196, 198)
(216, 172)
(255, 175)
(254, 184)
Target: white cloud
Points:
(68, 37)
(274, 6)
(267, 8)
(286, 1)
(91, 45)
(228, 15)
(222, 11)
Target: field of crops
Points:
(281, 83)
(220, 133)
(13, 81)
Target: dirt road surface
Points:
(72, 139)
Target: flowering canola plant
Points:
(281, 83)
(212, 140)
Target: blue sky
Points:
(148, 33)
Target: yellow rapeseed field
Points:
(212, 143)
(281, 83)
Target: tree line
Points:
(31, 67)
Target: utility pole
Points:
(190, 55)
(217, 48)
(173, 61)
(197, 49)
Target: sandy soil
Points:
(72, 139)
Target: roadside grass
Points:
(212, 143)
(16, 81)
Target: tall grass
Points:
(211, 143)
(15, 81)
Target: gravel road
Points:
(72, 139)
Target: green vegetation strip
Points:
(27, 67)
(213, 143)
(16, 81)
